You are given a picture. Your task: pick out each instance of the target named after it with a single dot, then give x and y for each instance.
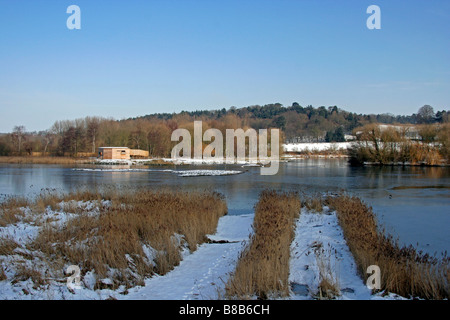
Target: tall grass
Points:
(40, 160)
(404, 270)
(10, 211)
(313, 203)
(263, 267)
(134, 235)
(328, 287)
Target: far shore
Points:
(286, 157)
(75, 160)
(42, 160)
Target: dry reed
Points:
(328, 287)
(263, 267)
(133, 235)
(404, 270)
(40, 160)
(314, 203)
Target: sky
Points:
(136, 57)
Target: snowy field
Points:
(201, 275)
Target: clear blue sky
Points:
(132, 58)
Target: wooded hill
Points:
(153, 132)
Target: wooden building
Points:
(121, 153)
(139, 154)
(114, 153)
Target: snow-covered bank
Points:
(202, 274)
(319, 248)
(33, 264)
(176, 161)
(316, 147)
(185, 161)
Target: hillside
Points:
(82, 137)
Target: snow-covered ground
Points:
(203, 273)
(319, 241)
(323, 146)
(175, 161)
(184, 161)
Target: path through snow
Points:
(319, 240)
(202, 274)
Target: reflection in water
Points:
(400, 196)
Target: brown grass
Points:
(404, 270)
(263, 267)
(111, 242)
(39, 160)
(328, 287)
(2, 273)
(26, 272)
(314, 203)
(10, 211)
(7, 246)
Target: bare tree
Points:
(47, 139)
(18, 136)
(425, 114)
(92, 131)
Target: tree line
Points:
(153, 132)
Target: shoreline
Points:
(182, 162)
(41, 160)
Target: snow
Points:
(197, 173)
(20, 232)
(184, 161)
(203, 273)
(180, 173)
(322, 146)
(319, 240)
(315, 231)
(121, 170)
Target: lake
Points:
(411, 203)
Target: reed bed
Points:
(263, 266)
(122, 236)
(404, 270)
(40, 160)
